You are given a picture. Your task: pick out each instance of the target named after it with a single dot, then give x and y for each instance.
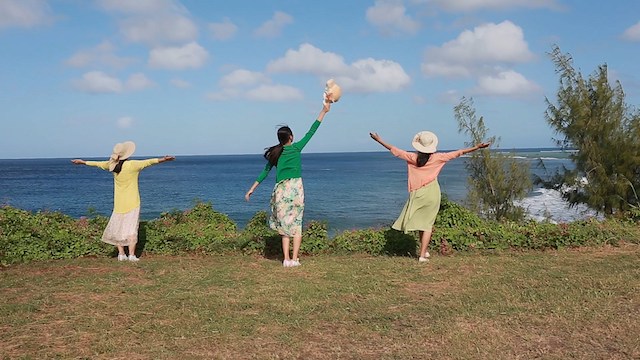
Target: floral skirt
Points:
(287, 206)
(420, 211)
(122, 229)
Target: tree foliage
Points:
(496, 181)
(591, 116)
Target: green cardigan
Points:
(289, 164)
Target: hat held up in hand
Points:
(121, 151)
(332, 92)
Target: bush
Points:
(26, 236)
(199, 229)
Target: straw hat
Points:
(425, 142)
(121, 151)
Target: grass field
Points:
(578, 303)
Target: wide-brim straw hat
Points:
(121, 151)
(425, 142)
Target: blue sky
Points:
(218, 77)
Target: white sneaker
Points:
(423, 259)
(295, 262)
(427, 255)
(122, 257)
(287, 263)
(133, 258)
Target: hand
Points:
(375, 136)
(247, 196)
(326, 106)
(78, 162)
(483, 145)
(169, 158)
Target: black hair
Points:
(272, 154)
(118, 167)
(422, 159)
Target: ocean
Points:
(347, 190)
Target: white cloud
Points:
(370, 75)
(190, 55)
(180, 83)
(309, 59)
(252, 85)
(153, 22)
(124, 122)
(165, 28)
(140, 6)
(138, 81)
(487, 44)
(224, 30)
(485, 55)
(632, 33)
(24, 13)
(473, 5)
(224, 94)
(102, 54)
(273, 27)
(366, 75)
(242, 77)
(389, 17)
(98, 82)
(274, 93)
(507, 83)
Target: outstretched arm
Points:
(166, 158)
(377, 138)
(325, 109)
(477, 147)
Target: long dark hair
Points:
(118, 167)
(422, 159)
(272, 154)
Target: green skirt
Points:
(420, 211)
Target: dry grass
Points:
(581, 303)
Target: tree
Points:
(592, 117)
(496, 181)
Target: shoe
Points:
(287, 263)
(122, 257)
(133, 258)
(295, 263)
(423, 259)
(427, 255)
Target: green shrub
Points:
(315, 238)
(258, 237)
(26, 236)
(199, 229)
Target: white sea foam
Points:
(547, 204)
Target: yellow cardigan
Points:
(126, 196)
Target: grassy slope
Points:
(553, 305)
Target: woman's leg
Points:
(132, 249)
(297, 240)
(425, 238)
(285, 248)
(120, 250)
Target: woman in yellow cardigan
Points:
(122, 229)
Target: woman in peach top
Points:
(419, 212)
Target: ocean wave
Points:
(548, 204)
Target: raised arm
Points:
(377, 138)
(477, 147)
(325, 109)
